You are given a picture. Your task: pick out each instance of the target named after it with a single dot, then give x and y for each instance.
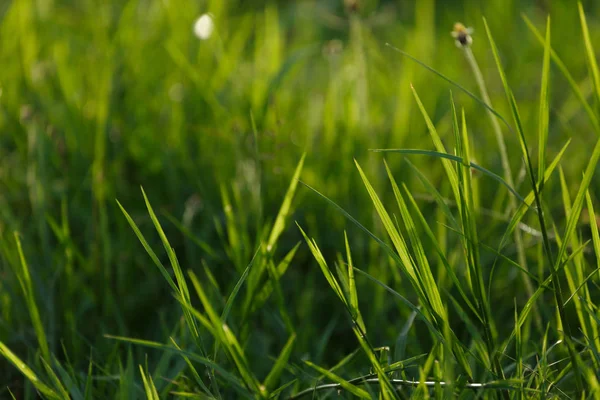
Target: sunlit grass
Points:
(336, 200)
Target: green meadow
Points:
(299, 199)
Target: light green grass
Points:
(334, 202)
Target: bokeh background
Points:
(98, 98)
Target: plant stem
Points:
(505, 166)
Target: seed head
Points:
(462, 35)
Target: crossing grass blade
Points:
(530, 198)
(407, 265)
(449, 269)
(57, 383)
(456, 159)
(222, 372)
(149, 250)
(453, 83)
(149, 388)
(387, 391)
(558, 294)
(28, 373)
(193, 370)
(565, 72)
(226, 338)
(574, 274)
(406, 302)
(527, 308)
(426, 276)
(439, 146)
(356, 391)
(280, 364)
(255, 278)
(439, 199)
(183, 290)
(259, 300)
(331, 280)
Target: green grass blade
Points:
(222, 372)
(181, 283)
(58, 384)
(454, 83)
(345, 213)
(149, 388)
(457, 159)
(28, 373)
(24, 277)
(356, 391)
(353, 294)
(280, 220)
(530, 198)
(428, 281)
(280, 364)
(439, 146)
(406, 302)
(578, 202)
(589, 50)
(237, 288)
(593, 228)
(572, 83)
(224, 335)
(316, 252)
(190, 235)
(544, 109)
(449, 269)
(195, 374)
(407, 264)
(149, 250)
(259, 300)
(439, 199)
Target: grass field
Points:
(313, 199)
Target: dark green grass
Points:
(270, 252)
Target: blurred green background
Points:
(98, 98)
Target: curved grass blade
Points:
(563, 69)
(406, 302)
(456, 159)
(345, 213)
(589, 49)
(440, 253)
(28, 373)
(149, 388)
(237, 288)
(280, 364)
(529, 199)
(558, 296)
(222, 372)
(453, 83)
(344, 384)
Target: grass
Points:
(336, 200)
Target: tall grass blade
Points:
(280, 364)
(457, 159)
(24, 278)
(589, 50)
(28, 373)
(149, 388)
(356, 391)
(544, 110)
